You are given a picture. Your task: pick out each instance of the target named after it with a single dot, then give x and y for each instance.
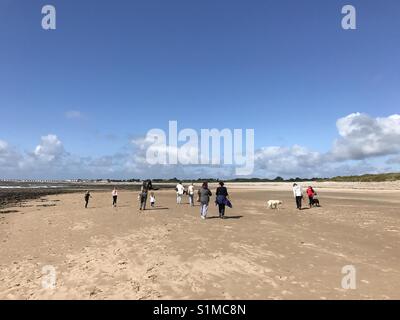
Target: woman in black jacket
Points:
(222, 197)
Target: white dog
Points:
(274, 204)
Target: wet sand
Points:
(16, 193)
(170, 253)
(17, 197)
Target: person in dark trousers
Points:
(311, 194)
(146, 186)
(222, 197)
(204, 197)
(298, 194)
(87, 196)
(114, 196)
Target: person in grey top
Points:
(204, 197)
(146, 186)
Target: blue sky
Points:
(285, 68)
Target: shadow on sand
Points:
(156, 208)
(226, 217)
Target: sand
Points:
(170, 253)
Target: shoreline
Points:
(16, 196)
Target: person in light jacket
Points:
(180, 190)
(298, 194)
(191, 194)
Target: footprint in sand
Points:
(82, 226)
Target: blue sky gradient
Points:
(285, 68)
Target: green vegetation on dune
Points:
(362, 178)
(368, 178)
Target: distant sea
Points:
(33, 185)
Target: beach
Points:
(168, 252)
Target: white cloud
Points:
(362, 140)
(136, 164)
(73, 114)
(362, 136)
(9, 158)
(287, 161)
(49, 149)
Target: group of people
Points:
(114, 194)
(298, 195)
(146, 186)
(203, 197)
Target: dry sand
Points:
(170, 253)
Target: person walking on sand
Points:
(87, 196)
(114, 196)
(221, 200)
(298, 194)
(311, 194)
(143, 194)
(180, 190)
(152, 200)
(191, 194)
(204, 197)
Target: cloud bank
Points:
(361, 140)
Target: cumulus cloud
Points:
(287, 161)
(362, 136)
(49, 149)
(137, 162)
(48, 158)
(9, 158)
(361, 139)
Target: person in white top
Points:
(152, 199)
(114, 195)
(298, 195)
(180, 190)
(191, 194)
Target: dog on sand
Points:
(315, 201)
(274, 204)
